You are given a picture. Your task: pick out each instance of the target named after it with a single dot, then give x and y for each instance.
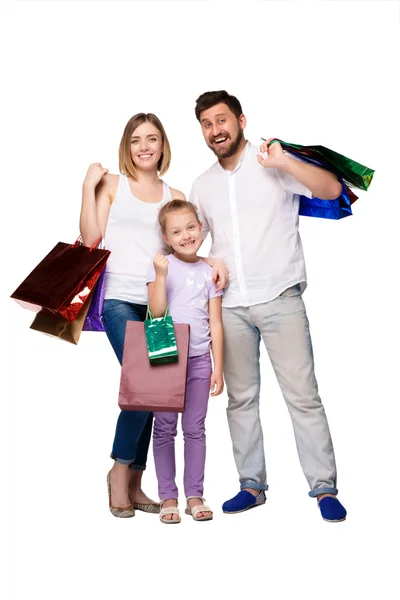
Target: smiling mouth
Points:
(220, 140)
(188, 244)
(145, 156)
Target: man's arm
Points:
(220, 271)
(193, 198)
(220, 274)
(322, 184)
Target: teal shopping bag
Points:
(160, 339)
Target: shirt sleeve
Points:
(151, 272)
(290, 183)
(212, 292)
(193, 198)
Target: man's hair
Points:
(210, 99)
(175, 206)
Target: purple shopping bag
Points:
(94, 320)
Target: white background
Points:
(321, 72)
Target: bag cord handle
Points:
(79, 242)
(149, 313)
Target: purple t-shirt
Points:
(189, 288)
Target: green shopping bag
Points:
(160, 339)
(353, 173)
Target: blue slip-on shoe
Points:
(243, 501)
(332, 510)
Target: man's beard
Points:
(232, 148)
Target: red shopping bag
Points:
(63, 280)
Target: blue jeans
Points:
(133, 431)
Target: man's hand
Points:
(160, 263)
(275, 156)
(220, 275)
(322, 183)
(217, 384)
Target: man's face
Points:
(222, 130)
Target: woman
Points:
(123, 209)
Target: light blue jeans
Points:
(283, 326)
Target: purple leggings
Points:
(193, 427)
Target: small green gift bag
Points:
(160, 339)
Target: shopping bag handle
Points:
(271, 142)
(79, 242)
(149, 313)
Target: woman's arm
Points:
(217, 344)
(98, 191)
(158, 289)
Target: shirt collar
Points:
(241, 159)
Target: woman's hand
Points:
(220, 275)
(217, 384)
(94, 175)
(160, 263)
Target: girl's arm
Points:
(217, 344)
(158, 289)
(98, 192)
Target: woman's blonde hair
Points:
(126, 165)
(174, 206)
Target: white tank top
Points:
(134, 237)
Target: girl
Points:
(183, 282)
(123, 209)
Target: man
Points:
(250, 204)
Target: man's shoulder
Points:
(254, 147)
(204, 177)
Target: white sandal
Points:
(171, 510)
(198, 509)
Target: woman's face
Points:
(146, 147)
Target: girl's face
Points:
(146, 147)
(183, 233)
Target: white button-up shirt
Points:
(252, 214)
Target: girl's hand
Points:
(217, 384)
(160, 263)
(94, 175)
(220, 275)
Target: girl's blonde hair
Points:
(126, 165)
(174, 206)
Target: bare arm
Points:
(220, 273)
(177, 195)
(98, 192)
(158, 289)
(323, 184)
(217, 344)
